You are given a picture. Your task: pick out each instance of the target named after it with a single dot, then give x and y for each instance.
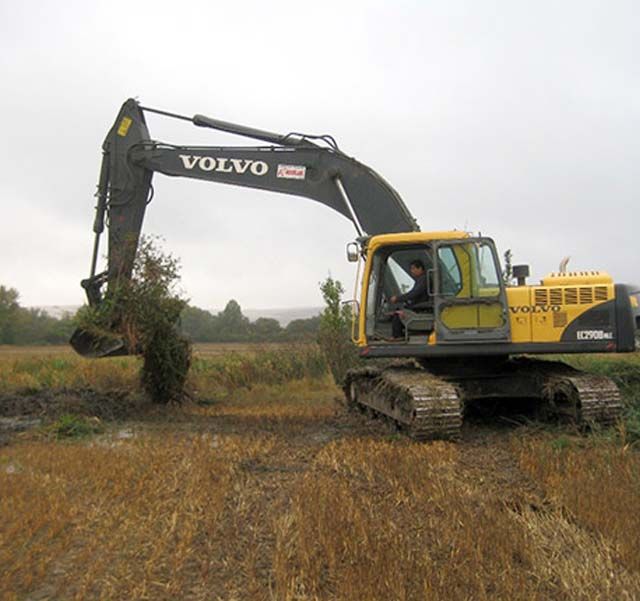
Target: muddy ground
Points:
(247, 540)
(484, 445)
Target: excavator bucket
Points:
(92, 346)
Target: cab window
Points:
(450, 278)
(468, 270)
(402, 279)
(488, 275)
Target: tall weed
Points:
(334, 334)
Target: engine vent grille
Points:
(540, 296)
(556, 296)
(586, 296)
(571, 296)
(579, 295)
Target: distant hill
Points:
(284, 316)
(57, 311)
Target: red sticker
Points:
(291, 171)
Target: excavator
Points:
(469, 341)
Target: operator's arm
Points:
(419, 292)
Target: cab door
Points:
(469, 295)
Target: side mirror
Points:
(353, 252)
(352, 303)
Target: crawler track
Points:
(423, 405)
(589, 400)
(428, 406)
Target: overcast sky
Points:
(517, 119)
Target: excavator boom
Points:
(300, 165)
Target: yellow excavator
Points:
(467, 340)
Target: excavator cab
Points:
(390, 276)
(465, 300)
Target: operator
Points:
(418, 294)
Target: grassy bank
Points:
(212, 372)
(219, 370)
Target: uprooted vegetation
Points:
(143, 311)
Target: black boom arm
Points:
(294, 164)
(322, 174)
(304, 166)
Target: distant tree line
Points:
(19, 325)
(24, 326)
(230, 325)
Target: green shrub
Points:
(73, 426)
(334, 335)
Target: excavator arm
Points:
(304, 166)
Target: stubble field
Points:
(263, 486)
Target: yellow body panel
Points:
(460, 317)
(376, 242)
(490, 316)
(466, 272)
(472, 316)
(542, 313)
(520, 321)
(577, 278)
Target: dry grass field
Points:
(264, 487)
